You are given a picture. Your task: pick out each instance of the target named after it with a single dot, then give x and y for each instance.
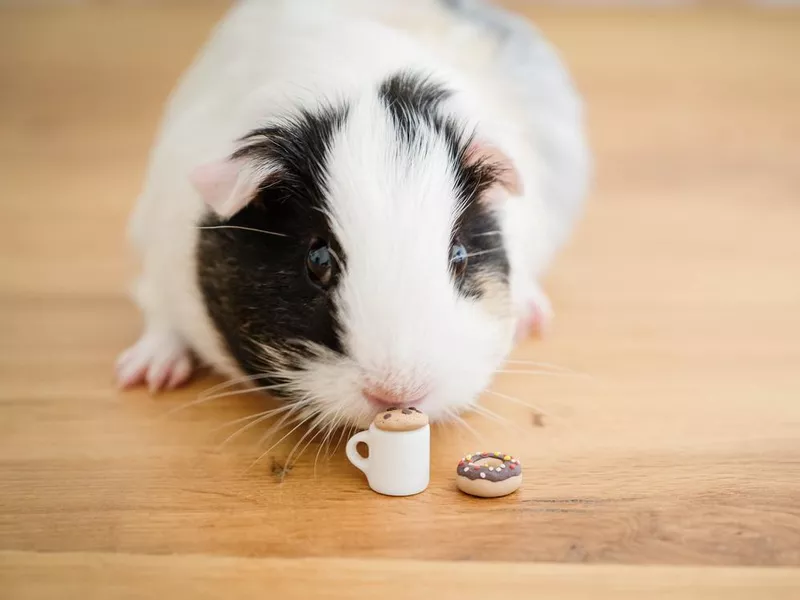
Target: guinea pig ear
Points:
(228, 185)
(506, 175)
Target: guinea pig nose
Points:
(383, 397)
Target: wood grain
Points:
(680, 296)
(89, 576)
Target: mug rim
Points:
(373, 427)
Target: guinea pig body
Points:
(350, 204)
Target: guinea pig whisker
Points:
(263, 388)
(264, 231)
(287, 434)
(292, 415)
(480, 252)
(345, 434)
(545, 373)
(330, 429)
(323, 423)
(489, 414)
(518, 401)
(487, 233)
(204, 399)
(257, 419)
(234, 381)
(460, 421)
(504, 421)
(544, 365)
(318, 427)
(271, 411)
(311, 431)
(540, 412)
(346, 430)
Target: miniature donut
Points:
(488, 474)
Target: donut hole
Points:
(363, 449)
(489, 462)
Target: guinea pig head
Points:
(352, 258)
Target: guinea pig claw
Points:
(129, 375)
(180, 373)
(162, 361)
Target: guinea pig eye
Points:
(458, 258)
(319, 263)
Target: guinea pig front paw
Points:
(536, 318)
(162, 360)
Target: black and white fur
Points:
(393, 132)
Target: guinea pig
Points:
(350, 204)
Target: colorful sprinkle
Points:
(512, 466)
(466, 469)
(506, 457)
(469, 457)
(483, 475)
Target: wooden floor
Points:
(680, 296)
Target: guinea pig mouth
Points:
(381, 397)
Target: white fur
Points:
(405, 325)
(393, 215)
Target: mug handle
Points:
(353, 455)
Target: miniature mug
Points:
(399, 459)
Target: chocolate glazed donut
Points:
(488, 474)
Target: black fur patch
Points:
(255, 285)
(414, 102)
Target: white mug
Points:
(399, 462)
